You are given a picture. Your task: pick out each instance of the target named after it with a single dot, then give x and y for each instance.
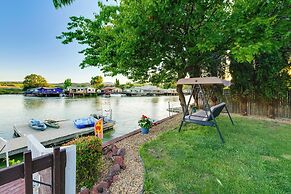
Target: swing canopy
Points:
(203, 81)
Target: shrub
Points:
(89, 160)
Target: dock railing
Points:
(25, 170)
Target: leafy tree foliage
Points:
(67, 83)
(162, 41)
(97, 81)
(152, 41)
(33, 81)
(61, 3)
(260, 49)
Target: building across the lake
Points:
(111, 90)
(149, 90)
(44, 92)
(85, 91)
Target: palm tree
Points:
(60, 3)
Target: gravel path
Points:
(131, 180)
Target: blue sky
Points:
(28, 44)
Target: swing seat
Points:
(204, 118)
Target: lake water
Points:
(126, 111)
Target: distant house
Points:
(145, 90)
(149, 90)
(44, 91)
(109, 90)
(81, 90)
(108, 84)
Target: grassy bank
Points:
(11, 91)
(256, 158)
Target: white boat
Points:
(117, 95)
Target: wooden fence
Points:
(55, 160)
(256, 106)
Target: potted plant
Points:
(145, 123)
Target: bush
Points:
(89, 160)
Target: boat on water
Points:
(91, 120)
(106, 95)
(117, 95)
(52, 124)
(105, 119)
(37, 124)
(85, 122)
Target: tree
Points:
(34, 81)
(152, 41)
(259, 50)
(61, 3)
(163, 41)
(97, 82)
(67, 83)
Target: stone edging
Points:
(136, 131)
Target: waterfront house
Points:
(44, 91)
(110, 90)
(147, 90)
(72, 91)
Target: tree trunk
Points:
(271, 110)
(182, 98)
(244, 106)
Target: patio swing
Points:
(207, 116)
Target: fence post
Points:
(28, 172)
(56, 171)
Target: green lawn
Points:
(256, 158)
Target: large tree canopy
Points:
(157, 41)
(33, 81)
(161, 41)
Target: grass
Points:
(256, 158)
(11, 91)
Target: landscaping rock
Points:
(102, 187)
(114, 149)
(84, 191)
(106, 150)
(109, 180)
(121, 152)
(109, 155)
(115, 169)
(114, 179)
(119, 160)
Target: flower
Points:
(145, 122)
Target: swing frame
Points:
(209, 117)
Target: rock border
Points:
(116, 155)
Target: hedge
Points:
(89, 160)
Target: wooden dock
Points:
(49, 137)
(175, 109)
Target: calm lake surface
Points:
(126, 111)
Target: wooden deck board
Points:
(50, 136)
(14, 187)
